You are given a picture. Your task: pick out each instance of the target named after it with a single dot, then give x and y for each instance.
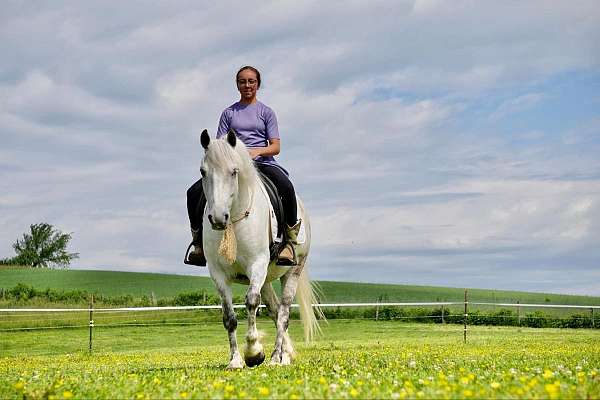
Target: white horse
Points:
(238, 213)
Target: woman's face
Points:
(247, 84)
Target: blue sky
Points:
(435, 143)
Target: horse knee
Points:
(230, 322)
(252, 300)
(286, 301)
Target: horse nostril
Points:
(226, 216)
(210, 219)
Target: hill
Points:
(111, 283)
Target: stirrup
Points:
(192, 258)
(286, 261)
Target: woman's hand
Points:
(271, 150)
(255, 152)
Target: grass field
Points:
(109, 283)
(353, 359)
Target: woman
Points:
(255, 124)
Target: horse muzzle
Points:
(218, 227)
(216, 224)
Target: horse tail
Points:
(308, 302)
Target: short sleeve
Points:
(271, 127)
(224, 123)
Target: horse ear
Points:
(205, 139)
(231, 138)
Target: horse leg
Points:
(271, 301)
(284, 351)
(253, 351)
(230, 323)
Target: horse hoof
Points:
(285, 359)
(234, 367)
(253, 361)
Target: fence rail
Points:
(218, 307)
(98, 313)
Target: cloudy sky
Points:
(451, 143)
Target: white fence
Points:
(322, 305)
(18, 319)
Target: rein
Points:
(247, 212)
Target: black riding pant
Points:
(196, 200)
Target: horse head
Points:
(225, 169)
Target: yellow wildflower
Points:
(552, 389)
(548, 374)
(19, 385)
(495, 385)
(353, 392)
(263, 391)
(67, 394)
(532, 383)
(183, 395)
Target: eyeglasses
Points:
(250, 82)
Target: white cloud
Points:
(100, 116)
(516, 105)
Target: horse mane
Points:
(220, 152)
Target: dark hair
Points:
(251, 69)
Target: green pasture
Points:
(352, 359)
(110, 283)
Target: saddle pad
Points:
(272, 217)
(301, 234)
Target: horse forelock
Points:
(220, 154)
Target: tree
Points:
(42, 248)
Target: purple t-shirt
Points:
(255, 124)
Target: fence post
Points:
(91, 320)
(593, 322)
(443, 322)
(518, 313)
(466, 315)
(377, 309)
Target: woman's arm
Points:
(271, 150)
(224, 124)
